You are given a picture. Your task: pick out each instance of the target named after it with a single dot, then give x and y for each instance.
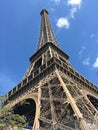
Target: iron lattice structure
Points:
(64, 99)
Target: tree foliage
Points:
(8, 118)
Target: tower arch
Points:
(27, 108)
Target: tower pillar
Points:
(74, 106)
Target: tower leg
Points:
(74, 106)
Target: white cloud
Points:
(82, 49)
(56, 1)
(74, 2)
(63, 22)
(95, 65)
(75, 6)
(73, 11)
(86, 61)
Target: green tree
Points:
(8, 118)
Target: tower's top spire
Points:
(46, 33)
(43, 10)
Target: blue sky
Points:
(75, 25)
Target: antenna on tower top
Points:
(44, 10)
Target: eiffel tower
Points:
(52, 94)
